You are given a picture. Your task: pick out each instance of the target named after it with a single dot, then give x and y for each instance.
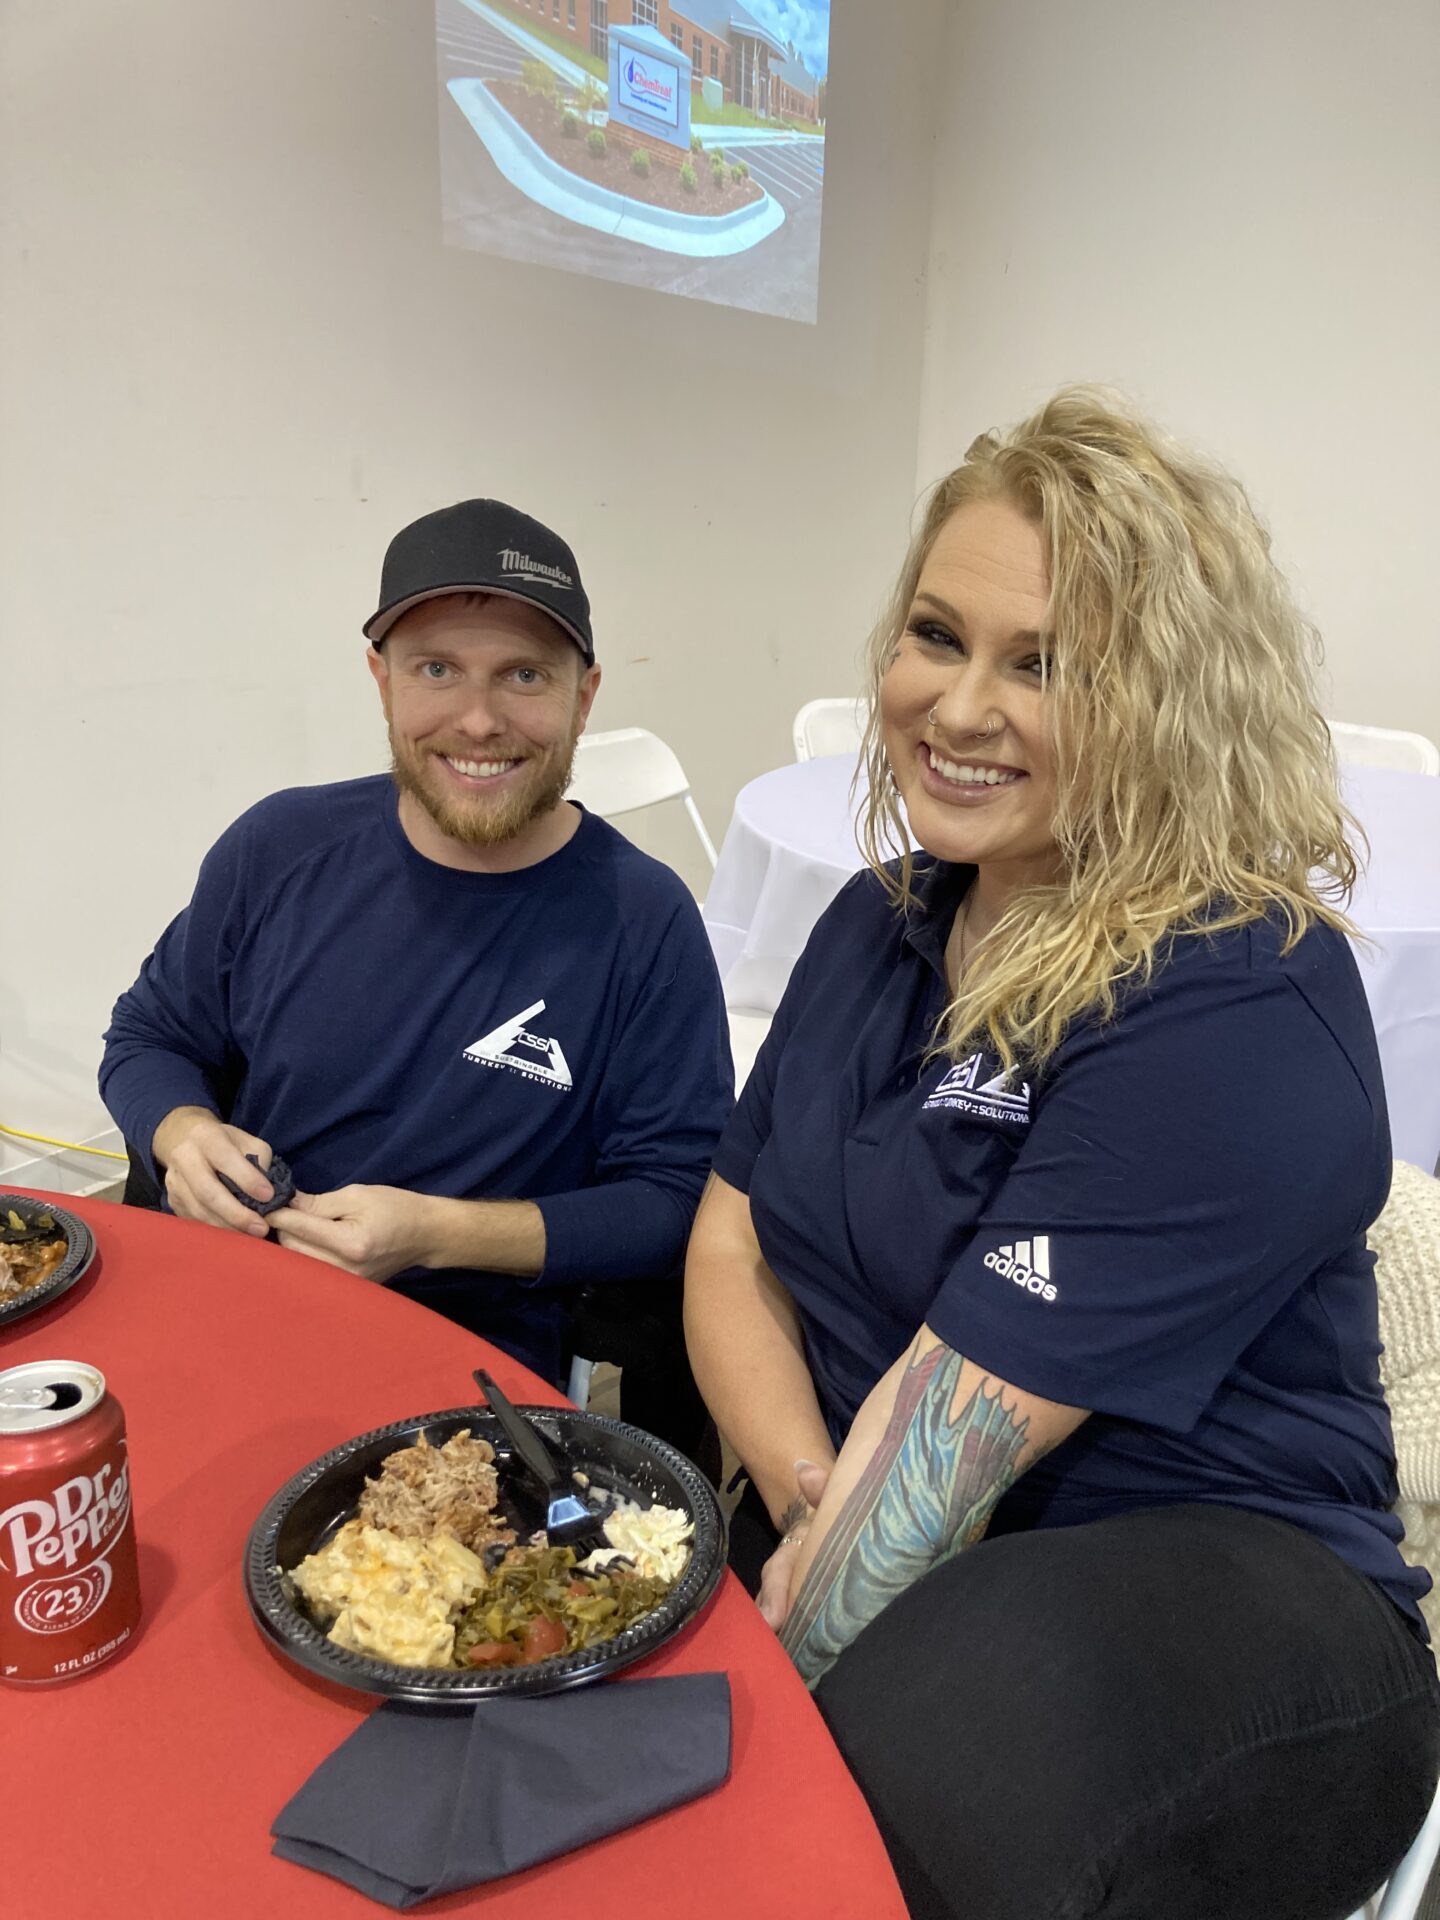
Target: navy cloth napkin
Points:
(280, 1178)
(420, 1802)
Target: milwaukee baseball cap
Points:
(482, 546)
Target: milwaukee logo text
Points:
(521, 563)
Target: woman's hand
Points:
(779, 1572)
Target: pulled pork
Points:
(422, 1490)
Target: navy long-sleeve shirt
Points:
(555, 1034)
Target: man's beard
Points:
(480, 821)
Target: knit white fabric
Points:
(1406, 1243)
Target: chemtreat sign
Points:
(650, 85)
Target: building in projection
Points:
(794, 90)
(726, 44)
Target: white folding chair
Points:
(577, 1388)
(828, 726)
(1383, 747)
(1402, 1894)
(630, 768)
(618, 772)
(747, 1036)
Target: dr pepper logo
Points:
(77, 1522)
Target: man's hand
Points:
(193, 1145)
(778, 1576)
(375, 1232)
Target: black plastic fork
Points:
(569, 1521)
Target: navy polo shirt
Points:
(1166, 1228)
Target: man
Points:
(482, 1028)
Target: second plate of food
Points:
(43, 1252)
(408, 1561)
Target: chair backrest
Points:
(1406, 1243)
(629, 768)
(747, 1036)
(1384, 747)
(1406, 1889)
(828, 726)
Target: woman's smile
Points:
(967, 782)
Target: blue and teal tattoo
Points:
(927, 1493)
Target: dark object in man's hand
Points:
(279, 1176)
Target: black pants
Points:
(640, 1329)
(1190, 1713)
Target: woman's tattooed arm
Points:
(955, 1440)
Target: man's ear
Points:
(380, 672)
(589, 687)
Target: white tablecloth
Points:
(791, 846)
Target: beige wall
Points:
(234, 358)
(1232, 211)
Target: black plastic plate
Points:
(78, 1256)
(619, 1459)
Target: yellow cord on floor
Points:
(71, 1146)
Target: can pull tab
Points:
(58, 1397)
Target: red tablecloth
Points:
(147, 1788)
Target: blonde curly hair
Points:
(1195, 775)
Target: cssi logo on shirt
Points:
(1027, 1263)
(538, 1056)
(972, 1087)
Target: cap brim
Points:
(384, 618)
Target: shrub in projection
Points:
(539, 79)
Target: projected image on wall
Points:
(674, 144)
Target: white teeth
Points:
(972, 776)
(481, 769)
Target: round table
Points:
(147, 1787)
(791, 846)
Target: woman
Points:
(1031, 1283)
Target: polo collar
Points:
(939, 886)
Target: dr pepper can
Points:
(69, 1588)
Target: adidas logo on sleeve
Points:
(1027, 1263)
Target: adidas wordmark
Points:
(1027, 1263)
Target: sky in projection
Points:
(806, 26)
